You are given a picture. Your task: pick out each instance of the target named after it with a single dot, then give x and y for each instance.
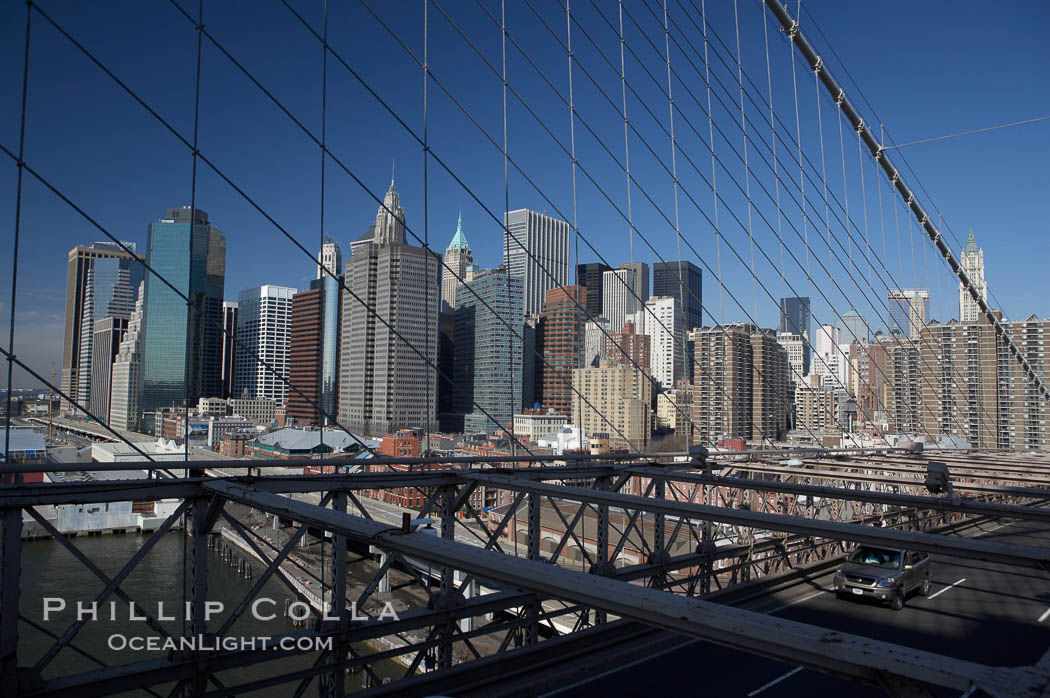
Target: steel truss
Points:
(483, 600)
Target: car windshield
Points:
(876, 557)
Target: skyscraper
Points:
(669, 278)
(264, 319)
(620, 294)
(590, 277)
(304, 356)
(488, 356)
(101, 281)
(666, 322)
(313, 358)
(536, 250)
(228, 339)
(109, 331)
(182, 351)
(972, 262)
(389, 324)
(126, 381)
(795, 318)
(458, 259)
(641, 282)
(560, 337)
(854, 329)
(743, 389)
(972, 387)
(907, 307)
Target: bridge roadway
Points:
(990, 613)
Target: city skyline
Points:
(1011, 216)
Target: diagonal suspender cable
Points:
(849, 221)
(651, 151)
(893, 173)
(643, 140)
(482, 130)
(737, 185)
(767, 192)
(19, 163)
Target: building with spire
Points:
(389, 329)
(972, 262)
(330, 258)
(458, 263)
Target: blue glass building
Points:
(487, 371)
(182, 349)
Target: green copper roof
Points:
(851, 313)
(971, 244)
(459, 240)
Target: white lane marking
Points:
(941, 591)
(801, 599)
(1045, 615)
(619, 668)
(774, 682)
(969, 691)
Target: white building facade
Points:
(264, 321)
(666, 322)
(536, 249)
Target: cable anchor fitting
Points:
(840, 97)
(792, 31)
(819, 65)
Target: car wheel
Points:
(897, 602)
(924, 588)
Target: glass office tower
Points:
(795, 317)
(182, 351)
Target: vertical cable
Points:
(677, 227)
(506, 244)
(802, 190)
(714, 171)
(321, 275)
(626, 142)
(572, 126)
(747, 168)
(323, 295)
(773, 146)
(428, 425)
(14, 254)
(193, 217)
(864, 208)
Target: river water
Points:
(51, 571)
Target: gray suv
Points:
(883, 574)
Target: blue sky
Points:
(929, 69)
